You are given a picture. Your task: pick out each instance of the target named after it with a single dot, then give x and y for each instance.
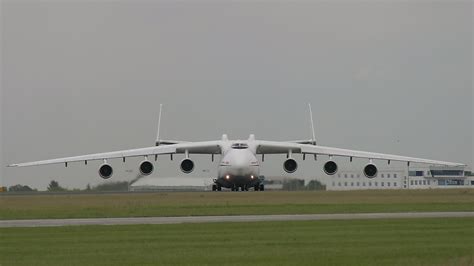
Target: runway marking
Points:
(220, 219)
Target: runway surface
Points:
(218, 219)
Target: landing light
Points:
(227, 177)
(251, 176)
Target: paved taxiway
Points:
(218, 219)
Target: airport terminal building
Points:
(429, 177)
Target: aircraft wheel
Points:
(262, 187)
(219, 188)
(255, 187)
(214, 187)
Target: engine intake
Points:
(187, 166)
(290, 165)
(146, 167)
(330, 168)
(106, 171)
(370, 170)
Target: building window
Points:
(352, 184)
(352, 175)
(370, 184)
(375, 183)
(338, 175)
(447, 173)
(333, 184)
(388, 175)
(358, 183)
(381, 176)
(394, 175)
(381, 184)
(358, 175)
(411, 182)
(415, 173)
(339, 184)
(345, 184)
(388, 184)
(363, 184)
(394, 184)
(345, 175)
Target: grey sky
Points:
(78, 78)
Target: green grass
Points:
(232, 203)
(359, 242)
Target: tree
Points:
(293, 184)
(112, 186)
(315, 185)
(20, 188)
(54, 186)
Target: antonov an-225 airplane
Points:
(239, 167)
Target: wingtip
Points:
(12, 165)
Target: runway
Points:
(219, 219)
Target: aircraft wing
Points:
(274, 147)
(204, 147)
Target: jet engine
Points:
(370, 170)
(106, 171)
(330, 168)
(146, 167)
(290, 165)
(187, 166)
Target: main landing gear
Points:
(216, 187)
(259, 187)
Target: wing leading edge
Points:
(274, 147)
(205, 147)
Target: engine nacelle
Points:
(370, 170)
(187, 166)
(106, 171)
(146, 167)
(330, 168)
(290, 165)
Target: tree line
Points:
(54, 186)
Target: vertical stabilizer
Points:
(159, 125)
(313, 136)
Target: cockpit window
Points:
(240, 146)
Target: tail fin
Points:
(313, 136)
(158, 130)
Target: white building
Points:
(352, 180)
(415, 178)
(438, 177)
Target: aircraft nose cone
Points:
(240, 164)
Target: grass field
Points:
(232, 203)
(360, 242)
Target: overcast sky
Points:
(385, 76)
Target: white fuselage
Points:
(239, 166)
